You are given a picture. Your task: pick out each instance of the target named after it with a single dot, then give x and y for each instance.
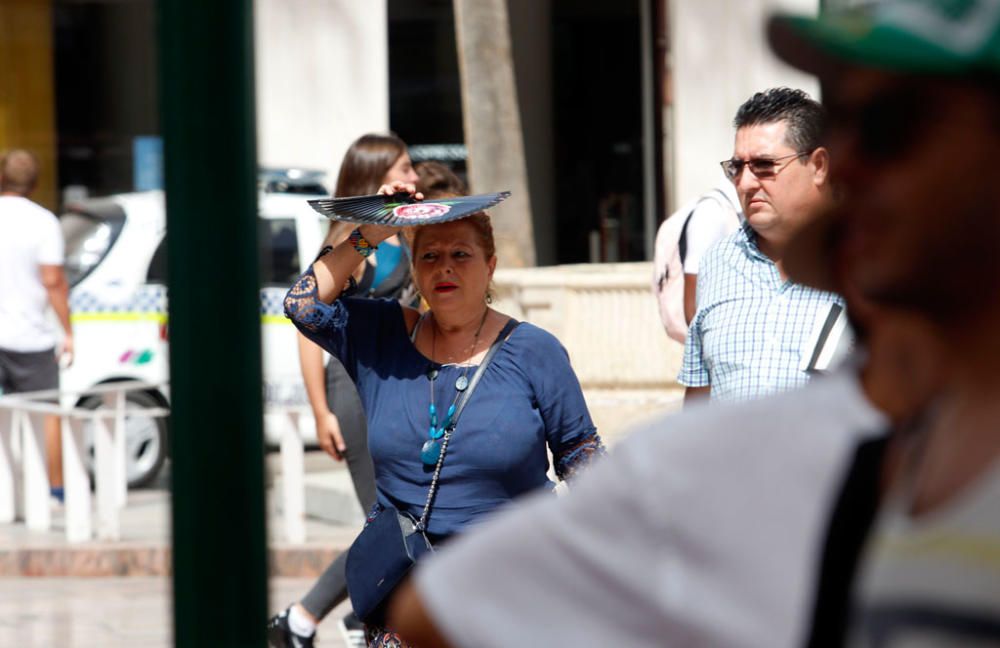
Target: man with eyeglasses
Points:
(755, 331)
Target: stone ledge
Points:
(121, 561)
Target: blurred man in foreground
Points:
(914, 98)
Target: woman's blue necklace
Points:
(431, 450)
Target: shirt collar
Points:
(747, 241)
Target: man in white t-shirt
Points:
(31, 280)
(909, 84)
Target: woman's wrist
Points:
(375, 234)
(361, 243)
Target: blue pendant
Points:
(430, 452)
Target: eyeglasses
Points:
(761, 167)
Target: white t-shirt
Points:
(933, 580)
(711, 220)
(31, 238)
(701, 529)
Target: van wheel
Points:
(145, 438)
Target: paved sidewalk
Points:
(113, 612)
(144, 548)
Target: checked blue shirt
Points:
(748, 335)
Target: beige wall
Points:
(720, 58)
(322, 79)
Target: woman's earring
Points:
(489, 298)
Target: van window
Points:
(89, 235)
(279, 254)
(157, 272)
(279, 251)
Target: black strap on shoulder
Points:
(505, 333)
(682, 244)
(682, 241)
(846, 532)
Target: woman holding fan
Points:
(411, 370)
(371, 161)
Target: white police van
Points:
(116, 266)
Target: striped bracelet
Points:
(360, 243)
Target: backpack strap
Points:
(682, 242)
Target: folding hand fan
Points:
(402, 210)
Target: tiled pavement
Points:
(111, 612)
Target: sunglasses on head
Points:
(762, 168)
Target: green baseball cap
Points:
(948, 37)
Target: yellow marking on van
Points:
(159, 318)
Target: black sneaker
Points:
(280, 635)
(353, 631)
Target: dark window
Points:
(596, 71)
(279, 251)
(105, 85)
(157, 272)
(425, 94)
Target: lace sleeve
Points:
(571, 458)
(308, 312)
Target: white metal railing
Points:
(293, 489)
(24, 482)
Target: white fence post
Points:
(79, 527)
(292, 479)
(105, 469)
(116, 401)
(8, 468)
(36, 480)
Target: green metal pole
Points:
(208, 124)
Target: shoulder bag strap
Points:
(504, 334)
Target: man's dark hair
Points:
(806, 118)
